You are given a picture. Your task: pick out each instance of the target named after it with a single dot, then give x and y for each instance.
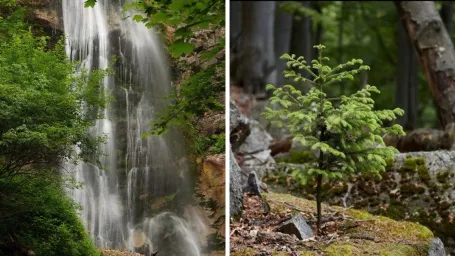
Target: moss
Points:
(423, 173)
(412, 189)
(363, 247)
(308, 253)
(360, 215)
(442, 177)
(278, 253)
(396, 211)
(244, 252)
(391, 228)
(340, 249)
(412, 164)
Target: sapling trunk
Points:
(318, 203)
(319, 186)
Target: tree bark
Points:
(235, 15)
(253, 59)
(447, 15)
(434, 47)
(340, 43)
(406, 88)
(283, 33)
(302, 41)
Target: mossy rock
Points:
(443, 177)
(365, 247)
(412, 164)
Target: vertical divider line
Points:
(227, 125)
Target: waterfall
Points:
(135, 170)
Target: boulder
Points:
(296, 226)
(436, 248)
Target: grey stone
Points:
(258, 140)
(297, 226)
(235, 187)
(252, 185)
(239, 127)
(436, 248)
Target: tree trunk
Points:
(434, 47)
(302, 36)
(447, 15)
(283, 33)
(406, 88)
(254, 57)
(319, 28)
(302, 41)
(235, 15)
(340, 43)
(318, 203)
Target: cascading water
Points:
(117, 195)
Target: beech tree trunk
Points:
(283, 33)
(253, 55)
(302, 42)
(235, 19)
(434, 47)
(407, 86)
(447, 15)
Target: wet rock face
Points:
(46, 13)
(296, 226)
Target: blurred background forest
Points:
(371, 31)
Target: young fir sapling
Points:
(346, 136)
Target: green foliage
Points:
(187, 16)
(41, 97)
(89, 3)
(347, 135)
(46, 109)
(38, 215)
(197, 95)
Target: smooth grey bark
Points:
(319, 28)
(434, 48)
(340, 43)
(253, 59)
(235, 19)
(302, 36)
(283, 34)
(406, 96)
(447, 15)
(302, 40)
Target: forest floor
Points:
(109, 252)
(344, 231)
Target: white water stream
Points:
(117, 195)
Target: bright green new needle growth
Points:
(348, 136)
